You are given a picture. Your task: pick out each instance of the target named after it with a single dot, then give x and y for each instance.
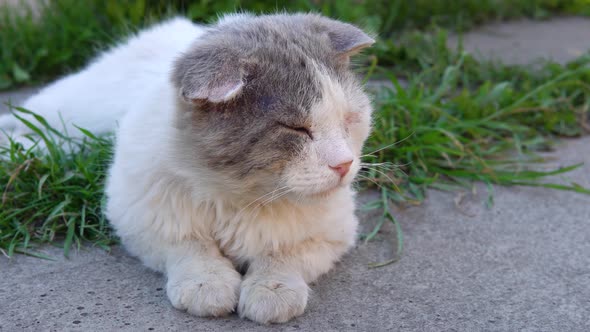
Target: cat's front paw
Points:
(212, 295)
(272, 299)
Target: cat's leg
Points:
(201, 281)
(275, 288)
(157, 226)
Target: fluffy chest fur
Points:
(282, 227)
(241, 231)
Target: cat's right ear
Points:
(345, 39)
(348, 40)
(214, 77)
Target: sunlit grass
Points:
(451, 126)
(62, 35)
(54, 195)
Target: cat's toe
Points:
(273, 299)
(205, 296)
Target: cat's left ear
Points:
(346, 39)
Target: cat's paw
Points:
(211, 295)
(272, 299)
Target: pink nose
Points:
(343, 168)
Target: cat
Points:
(236, 146)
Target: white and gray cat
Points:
(236, 145)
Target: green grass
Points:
(69, 32)
(472, 122)
(453, 122)
(54, 196)
(457, 121)
(448, 133)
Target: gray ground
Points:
(523, 265)
(15, 98)
(520, 42)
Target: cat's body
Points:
(242, 160)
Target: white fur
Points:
(188, 223)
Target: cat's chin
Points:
(325, 193)
(319, 196)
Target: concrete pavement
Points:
(525, 41)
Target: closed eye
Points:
(299, 130)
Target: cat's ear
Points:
(209, 77)
(219, 90)
(346, 39)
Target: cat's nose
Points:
(342, 168)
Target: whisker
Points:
(370, 179)
(258, 207)
(388, 146)
(265, 195)
(388, 165)
(255, 210)
(391, 169)
(275, 197)
(276, 194)
(239, 214)
(384, 174)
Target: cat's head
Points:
(269, 103)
